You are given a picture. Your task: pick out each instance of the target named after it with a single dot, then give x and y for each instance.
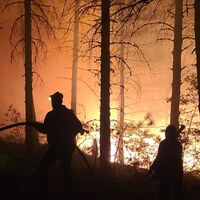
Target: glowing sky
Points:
(155, 84)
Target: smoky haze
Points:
(55, 72)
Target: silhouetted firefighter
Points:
(168, 165)
(61, 126)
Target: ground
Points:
(20, 181)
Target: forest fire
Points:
(139, 150)
(140, 141)
(120, 73)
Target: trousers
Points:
(50, 157)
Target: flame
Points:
(134, 152)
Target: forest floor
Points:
(18, 180)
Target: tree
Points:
(75, 56)
(121, 109)
(31, 18)
(197, 44)
(98, 36)
(105, 86)
(175, 13)
(120, 147)
(181, 35)
(176, 69)
(31, 140)
(105, 70)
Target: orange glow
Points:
(142, 156)
(55, 73)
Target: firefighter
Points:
(61, 126)
(168, 164)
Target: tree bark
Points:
(177, 50)
(197, 43)
(75, 57)
(31, 140)
(105, 87)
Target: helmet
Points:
(57, 96)
(171, 132)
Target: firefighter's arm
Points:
(157, 159)
(38, 126)
(78, 126)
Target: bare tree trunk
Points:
(121, 105)
(105, 87)
(31, 140)
(121, 111)
(75, 57)
(197, 41)
(176, 82)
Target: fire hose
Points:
(78, 149)
(14, 125)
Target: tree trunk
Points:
(177, 50)
(121, 111)
(105, 87)
(197, 41)
(31, 140)
(75, 57)
(121, 100)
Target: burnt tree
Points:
(31, 140)
(26, 33)
(176, 69)
(197, 43)
(75, 56)
(105, 86)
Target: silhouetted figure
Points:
(168, 165)
(61, 126)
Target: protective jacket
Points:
(61, 126)
(168, 164)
